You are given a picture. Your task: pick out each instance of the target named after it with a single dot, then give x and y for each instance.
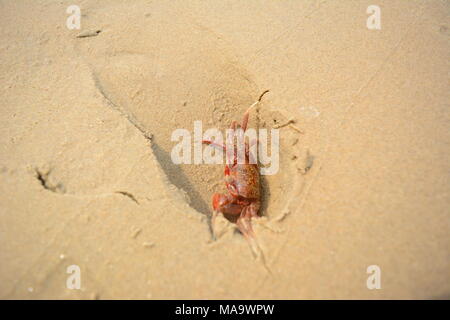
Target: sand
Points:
(86, 174)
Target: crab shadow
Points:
(178, 178)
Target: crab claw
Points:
(217, 201)
(226, 204)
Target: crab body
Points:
(242, 181)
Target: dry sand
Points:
(87, 180)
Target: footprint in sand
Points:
(165, 83)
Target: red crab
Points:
(242, 182)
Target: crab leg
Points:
(214, 144)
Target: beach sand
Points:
(86, 177)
